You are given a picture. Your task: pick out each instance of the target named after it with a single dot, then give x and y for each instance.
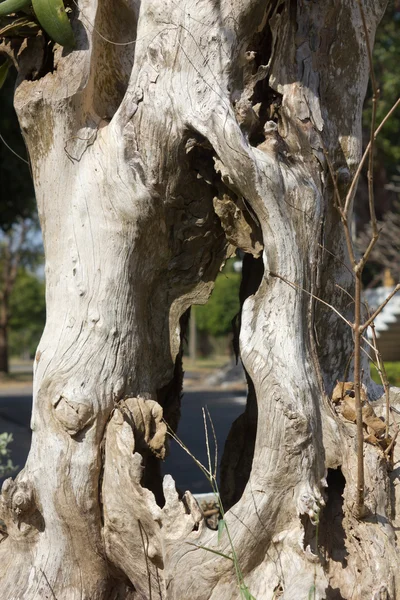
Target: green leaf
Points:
(221, 527)
(11, 6)
(311, 593)
(244, 591)
(54, 20)
(211, 550)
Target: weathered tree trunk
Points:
(148, 158)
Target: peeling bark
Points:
(151, 160)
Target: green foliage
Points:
(392, 372)
(216, 316)
(221, 527)
(11, 6)
(20, 241)
(49, 14)
(245, 592)
(28, 313)
(386, 68)
(54, 20)
(6, 465)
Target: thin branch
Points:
(366, 341)
(379, 309)
(392, 443)
(13, 151)
(349, 241)
(369, 50)
(370, 173)
(370, 359)
(48, 583)
(211, 550)
(383, 376)
(215, 442)
(333, 176)
(362, 262)
(207, 442)
(357, 392)
(354, 182)
(339, 205)
(93, 28)
(186, 449)
(345, 292)
(338, 259)
(295, 285)
(350, 296)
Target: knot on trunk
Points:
(145, 416)
(18, 498)
(18, 509)
(73, 415)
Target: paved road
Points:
(224, 406)
(15, 415)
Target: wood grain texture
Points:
(133, 148)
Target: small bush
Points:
(392, 371)
(6, 465)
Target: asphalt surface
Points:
(224, 406)
(15, 416)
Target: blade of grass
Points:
(211, 550)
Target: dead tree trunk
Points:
(151, 160)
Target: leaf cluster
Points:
(23, 17)
(6, 465)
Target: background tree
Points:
(386, 65)
(150, 159)
(216, 317)
(385, 255)
(18, 221)
(387, 156)
(28, 313)
(6, 465)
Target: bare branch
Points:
(339, 204)
(369, 50)
(379, 309)
(356, 177)
(338, 259)
(296, 286)
(345, 292)
(380, 366)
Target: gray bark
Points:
(151, 160)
